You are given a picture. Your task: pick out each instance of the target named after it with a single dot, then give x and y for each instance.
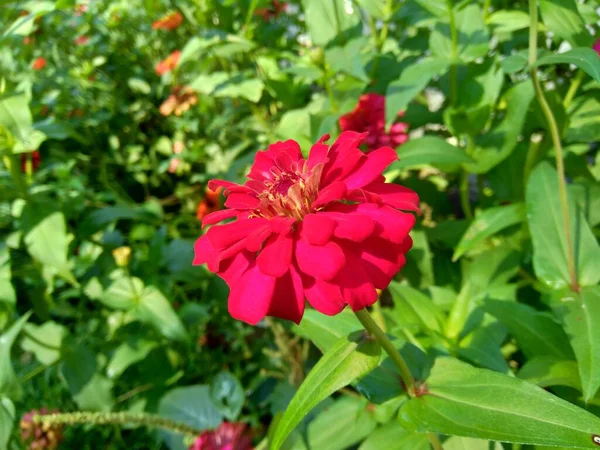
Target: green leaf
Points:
(482, 347)
(45, 235)
(352, 357)
(46, 342)
(463, 443)
(487, 223)
(7, 419)
(584, 58)
(412, 81)
(507, 21)
(375, 8)
(430, 150)
(16, 118)
(347, 58)
(127, 354)
(77, 367)
(537, 333)
(464, 401)
(547, 227)
(324, 331)
(562, 18)
(191, 405)
(123, 293)
(327, 20)
(7, 291)
(414, 307)
(100, 218)
(548, 371)
(498, 143)
(473, 36)
(580, 314)
(96, 395)
(155, 309)
(227, 394)
(9, 383)
(240, 87)
(392, 436)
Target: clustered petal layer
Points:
(327, 228)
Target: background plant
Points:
(101, 310)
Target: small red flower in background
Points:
(168, 22)
(167, 64)
(82, 40)
(596, 46)
(229, 436)
(38, 435)
(369, 117)
(181, 99)
(80, 9)
(39, 63)
(36, 160)
(328, 228)
(211, 203)
(178, 147)
(272, 11)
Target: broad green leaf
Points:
(430, 150)
(507, 21)
(240, 87)
(495, 145)
(339, 426)
(347, 58)
(324, 331)
(547, 227)
(127, 354)
(191, 405)
(350, 358)
(7, 418)
(583, 120)
(473, 36)
(155, 309)
(46, 342)
(537, 333)
(412, 81)
(100, 218)
(227, 395)
(584, 58)
(327, 20)
(77, 366)
(562, 18)
(123, 293)
(16, 118)
(547, 371)
(392, 436)
(487, 223)
(45, 235)
(96, 395)
(464, 401)
(515, 63)
(482, 347)
(419, 269)
(415, 308)
(376, 8)
(464, 443)
(7, 291)
(9, 383)
(580, 315)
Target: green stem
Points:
(435, 442)
(465, 201)
(531, 158)
(372, 327)
(382, 37)
(575, 83)
(555, 134)
(486, 9)
(453, 68)
(246, 27)
(118, 418)
(328, 88)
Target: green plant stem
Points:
(118, 418)
(382, 37)
(575, 83)
(486, 9)
(555, 134)
(454, 37)
(465, 201)
(251, 9)
(328, 88)
(371, 326)
(435, 442)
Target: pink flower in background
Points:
(328, 228)
(597, 46)
(369, 117)
(177, 149)
(168, 22)
(82, 40)
(271, 12)
(167, 64)
(229, 436)
(39, 436)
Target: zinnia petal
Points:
(317, 229)
(288, 298)
(323, 296)
(276, 256)
(320, 261)
(251, 295)
(370, 170)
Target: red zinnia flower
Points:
(82, 40)
(229, 436)
(369, 117)
(167, 64)
(211, 203)
(328, 228)
(39, 63)
(271, 12)
(597, 46)
(168, 22)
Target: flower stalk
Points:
(555, 135)
(371, 326)
(117, 418)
